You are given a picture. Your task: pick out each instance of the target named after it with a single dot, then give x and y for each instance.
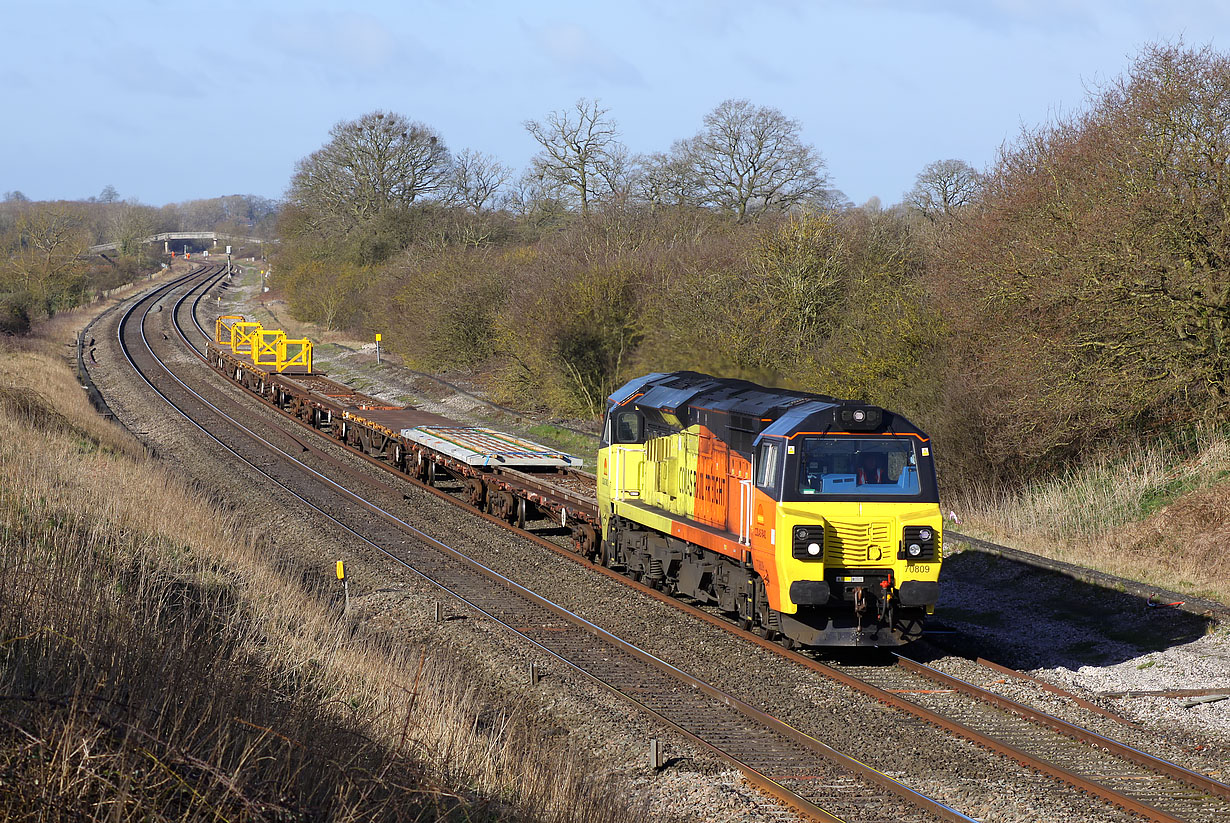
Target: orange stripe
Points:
(856, 434)
(730, 548)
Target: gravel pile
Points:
(1090, 641)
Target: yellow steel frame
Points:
(295, 354)
(272, 350)
(243, 337)
(266, 344)
(224, 325)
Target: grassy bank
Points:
(1159, 513)
(159, 662)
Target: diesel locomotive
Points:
(811, 519)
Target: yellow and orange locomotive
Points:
(813, 519)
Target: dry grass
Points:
(155, 663)
(1159, 514)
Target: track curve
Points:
(803, 772)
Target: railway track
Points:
(802, 772)
(1087, 760)
(1142, 784)
(1130, 779)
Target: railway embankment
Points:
(157, 661)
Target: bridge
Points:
(167, 236)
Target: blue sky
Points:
(170, 101)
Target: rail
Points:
(1041, 738)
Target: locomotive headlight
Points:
(807, 542)
(859, 415)
(918, 544)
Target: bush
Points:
(14, 313)
(1089, 293)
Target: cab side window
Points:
(628, 427)
(768, 466)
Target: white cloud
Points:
(354, 42)
(580, 53)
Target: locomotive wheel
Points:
(787, 643)
(745, 624)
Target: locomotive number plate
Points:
(849, 580)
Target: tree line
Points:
(1071, 297)
(44, 265)
(745, 162)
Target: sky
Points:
(172, 100)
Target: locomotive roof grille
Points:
(752, 408)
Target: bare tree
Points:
(374, 163)
(129, 224)
(48, 264)
(580, 150)
(943, 188)
(202, 215)
(751, 159)
(668, 180)
(537, 198)
(620, 171)
(477, 179)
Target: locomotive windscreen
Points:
(857, 466)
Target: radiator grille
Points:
(858, 544)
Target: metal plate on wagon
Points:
(487, 447)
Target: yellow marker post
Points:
(377, 348)
(341, 575)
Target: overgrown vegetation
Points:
(1039, 317)
(158, 662)
(44, 262)
(1158, 511)
(1069, 300)
(1092, 275)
